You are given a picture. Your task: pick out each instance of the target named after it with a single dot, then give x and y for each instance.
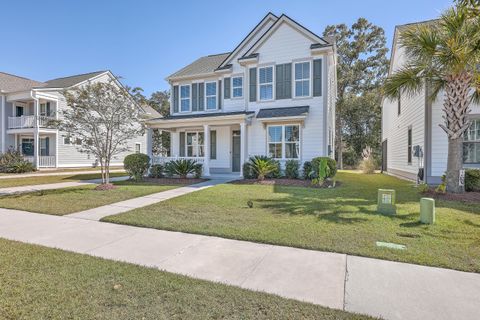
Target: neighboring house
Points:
(411, 136)
(26, 108)
(274, 95)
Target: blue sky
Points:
(144, 41)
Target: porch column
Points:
(149, 145)
(206, 148)
(36, 136)
(243, 139)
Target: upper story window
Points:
(211, 95)
(237, 87)
(471, 145)
(284, 141)
(185, 98)
(302, 79)
(266, 83)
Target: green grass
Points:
(18, 182)
(70, 200)
(43, 283)
(339, 220)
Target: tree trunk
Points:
(454, 165)
(107, 171)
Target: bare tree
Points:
(102, 118)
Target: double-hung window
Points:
(471, 144)
(185, 98)
(194, 144)
(266, 83)
(237, 87)
(211, 95)
(302, 79)
(284, 141)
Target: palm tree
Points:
(443, 55)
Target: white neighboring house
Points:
(26, 107)
(274, 94)
(411, 123)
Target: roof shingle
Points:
(67, 82)
(12, 83)
(201, 66)
(282, 112)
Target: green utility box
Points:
(427, 210)
(386, 201)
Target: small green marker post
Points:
(386, 201)
(427, 210)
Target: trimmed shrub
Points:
(423, 188)
(198, 171)
(276, 173)
(136, 165)
(247, 171)
(472, 180)
(307, 170)
(182, 168)
(156, 171)
(12, 161)
(291, 169)
(331, 163)
(263, 166)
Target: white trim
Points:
(283, 142)
(272, 65)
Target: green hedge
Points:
(472, 180)
(332, 164)
(136, 165)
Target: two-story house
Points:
(274, 95)
(26, 110)
(412, 139)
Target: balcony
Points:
(23, 122)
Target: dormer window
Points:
(302, 79)
(266, 83)
(185, 98)
(211, 95)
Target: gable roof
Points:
(269, 16)
(286, 19)
(67, 82)
(12, 83)
(282, 112)
(203, 65)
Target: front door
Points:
(236, 151)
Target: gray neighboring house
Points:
(26, 106)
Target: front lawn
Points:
(17, 181)
(43, 283)
(343, 220)
(70, 200)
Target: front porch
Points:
(218, 142)
(45, 143)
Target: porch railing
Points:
(163, 160)
(43, 161)
(28, 122)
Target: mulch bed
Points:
(466, 197)
(106, 186)
(281, 182)
(174, 181)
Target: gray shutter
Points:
(213, 144)
(317, 77)
(287, 81)
(201, 94)
(194, 96)
(226, 91)
(175, 99)
(279, 79)
(219, 94)
(47, 144)
(253, 85)
(182, 144)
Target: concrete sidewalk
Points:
(52, 186)
(115, 208)
(54, 173)
(380, 288)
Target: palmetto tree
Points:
(444, 56)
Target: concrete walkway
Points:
(51, 186)
(54, 173)
(115, 208)
(379, 288)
